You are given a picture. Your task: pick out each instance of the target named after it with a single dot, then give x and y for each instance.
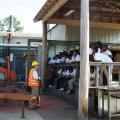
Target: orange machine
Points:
(9, 75)
(10, 91)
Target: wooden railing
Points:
(99, 71)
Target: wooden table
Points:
(110, 92)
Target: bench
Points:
(111, 92)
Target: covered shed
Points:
(87, 14)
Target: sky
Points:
(25, 11)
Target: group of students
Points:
(66, 57)
(100, 53)
(64, 78)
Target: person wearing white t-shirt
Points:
(98, 56)
(75, 56)
(106, 51)
(71, 81)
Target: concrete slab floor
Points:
(11, 110)
(52, 108)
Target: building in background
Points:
(18, 47)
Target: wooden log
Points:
(44, 54)
(84, 62)
(93, 24)
(28, 62)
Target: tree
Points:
(9, 23)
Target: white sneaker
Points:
(61, 89)
(68, 92)
(50, 86)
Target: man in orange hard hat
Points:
(34, 81)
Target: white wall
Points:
(18, 39)
(57, 33)
(103, 35)
(72, 33)
(56, 49)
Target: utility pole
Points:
(10, 23)
(9, 37)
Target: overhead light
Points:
(69, 12)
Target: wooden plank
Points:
(93, 24)
(109, 75)
(54, 8)
(84, 62)
(104, 25)
(64, 21)
(2, 95)
(16, 96)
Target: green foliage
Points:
(16, 24)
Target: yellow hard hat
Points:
(35, 63)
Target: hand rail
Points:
(99, 70)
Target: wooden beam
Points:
(84, 62)
(44, 54)
(16, 96)
(28, 62)
(101, 25)
(64, 22)
(105, 25)
(56, 7)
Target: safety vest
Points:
(31, 81)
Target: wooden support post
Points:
(26, 71)
(97, 75)
(44, 54)
(109, 75)
(23, 111)
(99, 102)
(109, 106)
(84, 62)
(119, 77)
(28, 62)
(101, 76)
(102, 104)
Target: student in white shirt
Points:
(98, 56)
(105, 51)
(71, 81)
(75, 56)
